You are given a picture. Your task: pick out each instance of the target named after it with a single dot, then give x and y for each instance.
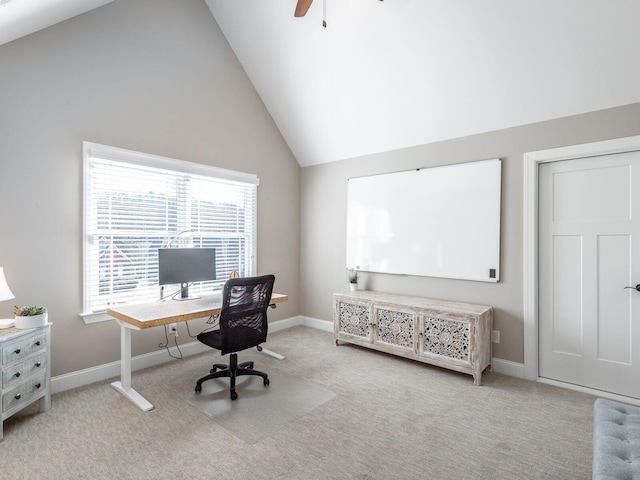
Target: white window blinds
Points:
(136, 203)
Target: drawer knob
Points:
(17, 374)
(38, 364)
(17, 397)
(17, 351)
(38, 343)
(37, 385)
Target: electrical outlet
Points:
(495, 336)
(173, 329)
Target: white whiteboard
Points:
(435, 222)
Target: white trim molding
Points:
(106, 371)
(591, 391)
(507, 367)
(67, 381)
(532, 162)
(316, 323)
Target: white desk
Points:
(155, 314)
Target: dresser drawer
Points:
(19, 349)
(23, 393)
(18, 372)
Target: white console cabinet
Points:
(25, 357)
(451, 335)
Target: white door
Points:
(589, 251)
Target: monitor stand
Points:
(184, 293)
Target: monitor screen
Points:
(186, 265)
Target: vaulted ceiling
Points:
(390, 74)
(22, 17)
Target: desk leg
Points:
(269, 353)
(124, 385)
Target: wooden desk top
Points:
(154, 314)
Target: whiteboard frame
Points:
(457, 237)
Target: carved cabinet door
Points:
(353, 321)
(447, 338)
(395, 328)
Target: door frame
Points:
(532, 161)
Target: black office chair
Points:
(243, 324)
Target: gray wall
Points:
(154, 76)
(323, 222)
(158, 76)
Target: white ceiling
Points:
(398, 73)
(391, 74)
(22, 17)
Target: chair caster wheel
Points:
(266, 382)
(234, 395)
(198, 388)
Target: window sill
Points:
(96, 317)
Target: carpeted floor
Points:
(389, 419)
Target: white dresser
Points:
(451, 335)
(26, 369)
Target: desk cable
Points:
(213, 321)
(172, 294)
(166, 344)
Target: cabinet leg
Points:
(45, 403)
(477, 378)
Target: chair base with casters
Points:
(232, 371)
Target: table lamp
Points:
(5, 294)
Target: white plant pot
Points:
(353, 287)
(33, 321)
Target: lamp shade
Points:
(5, 291)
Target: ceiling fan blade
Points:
(302, 7)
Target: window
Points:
(136, 203)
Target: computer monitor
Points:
(184, 266)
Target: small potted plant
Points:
(353, 278)
(30, 317)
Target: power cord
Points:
(181, 289)
(172, 294)
(166, 344)
(213, 321)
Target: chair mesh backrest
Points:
(243, 319)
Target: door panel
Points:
(567, 294)
(614, 309)
(578, 194)
(589, 250)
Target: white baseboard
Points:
(283, 324)
(315, 323)
(79, 378)
(507, 367)
(591, 391)
(498, 365)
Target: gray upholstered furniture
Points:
(616, 441)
